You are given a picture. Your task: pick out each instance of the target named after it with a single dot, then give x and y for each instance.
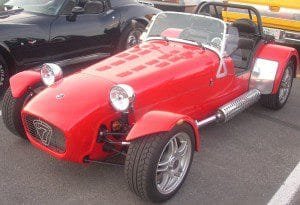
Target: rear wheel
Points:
(157, 165)
(11, 113)
(278, 100)
(3, 76)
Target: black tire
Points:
(133, 29)
(11, 113)
(142, 160)
(4, 76)
(273, 101)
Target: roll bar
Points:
(201, 8)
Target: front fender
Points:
(160, 121)
(282, 55)
(20, 82)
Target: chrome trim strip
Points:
(232, 108)
(292, 39)
(206, 121)
(283, 35)
(263, 75)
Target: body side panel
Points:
(280, 54)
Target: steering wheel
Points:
(185, 33)
(216, 42)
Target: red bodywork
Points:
(20, 85)
(173, 82)
(282, 55)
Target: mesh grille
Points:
(45, 134)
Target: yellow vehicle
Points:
(281, 18)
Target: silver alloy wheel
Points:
(133, 38)
(173, 163)
(285, 85)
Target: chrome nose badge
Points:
(44, 131)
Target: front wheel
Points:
(157, 165)
(277, 101)
(4, 76)
(11, 113)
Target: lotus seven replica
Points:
(148, 102)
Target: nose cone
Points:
(70, 100)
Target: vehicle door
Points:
(28, 43)
(83, 29)
(227, 82)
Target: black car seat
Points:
(246, 27)
(93, 7)
(248, 31)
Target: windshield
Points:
(48, 7)
(197, 29)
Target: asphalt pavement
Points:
(244, 161)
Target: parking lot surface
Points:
(244, 161)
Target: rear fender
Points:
(160, 121)
(267, 79)
(20, 82)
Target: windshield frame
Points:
(218, 52)
(61, 5)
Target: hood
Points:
(149, 68)
(151, 63)
(71, 100)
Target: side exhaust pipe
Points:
(231, 109)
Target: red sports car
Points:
(147, 103)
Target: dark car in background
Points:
(66, 31)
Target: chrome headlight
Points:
(121, 97)
(51, 73)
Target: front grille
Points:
(45, 134)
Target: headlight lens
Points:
(121, 97)
(51, 73)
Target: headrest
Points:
(245, 26)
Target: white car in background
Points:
(177, 5)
